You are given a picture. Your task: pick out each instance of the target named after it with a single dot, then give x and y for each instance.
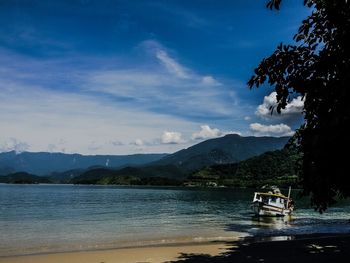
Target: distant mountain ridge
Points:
(43, 163)
(64, 167)
(179, 165)
(231, 148)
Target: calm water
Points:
(48, 218)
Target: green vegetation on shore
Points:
(274, 168)
(148, 175)
(153, 175)
(24, 178)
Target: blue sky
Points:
(122, 77)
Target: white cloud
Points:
(294, 108)
(206, 133)
(247, 118)
(169, 137)
(171, 65)
(271, 130)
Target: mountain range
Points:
(76, 168)
(43, 163)
(231, 148)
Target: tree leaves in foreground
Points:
(318, 68)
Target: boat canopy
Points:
(271, 194)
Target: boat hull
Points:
(262, 209)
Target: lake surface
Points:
(52, 218)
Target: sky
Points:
(126, 77)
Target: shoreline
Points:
(120, 245)
(148, 253)
(301, 248)
(134, 245)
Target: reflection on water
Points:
(271, 222)
(299, 223)
(258, 225)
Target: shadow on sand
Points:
(304, 248)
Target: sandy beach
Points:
(303, 248)
(154, 254)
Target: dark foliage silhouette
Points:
(317, 66)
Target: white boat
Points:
(272, 203)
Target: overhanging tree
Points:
(317, 66)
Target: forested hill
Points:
(24, 178)
(179, 165)
(276, 167)
(231, 148)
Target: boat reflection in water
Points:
(271, 228)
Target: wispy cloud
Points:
(100, 76)
(171, 65)
(44, 109)
(169, 87)
(102, 109)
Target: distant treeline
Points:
(276, 167)
(24, 178)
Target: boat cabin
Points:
(276, 200)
